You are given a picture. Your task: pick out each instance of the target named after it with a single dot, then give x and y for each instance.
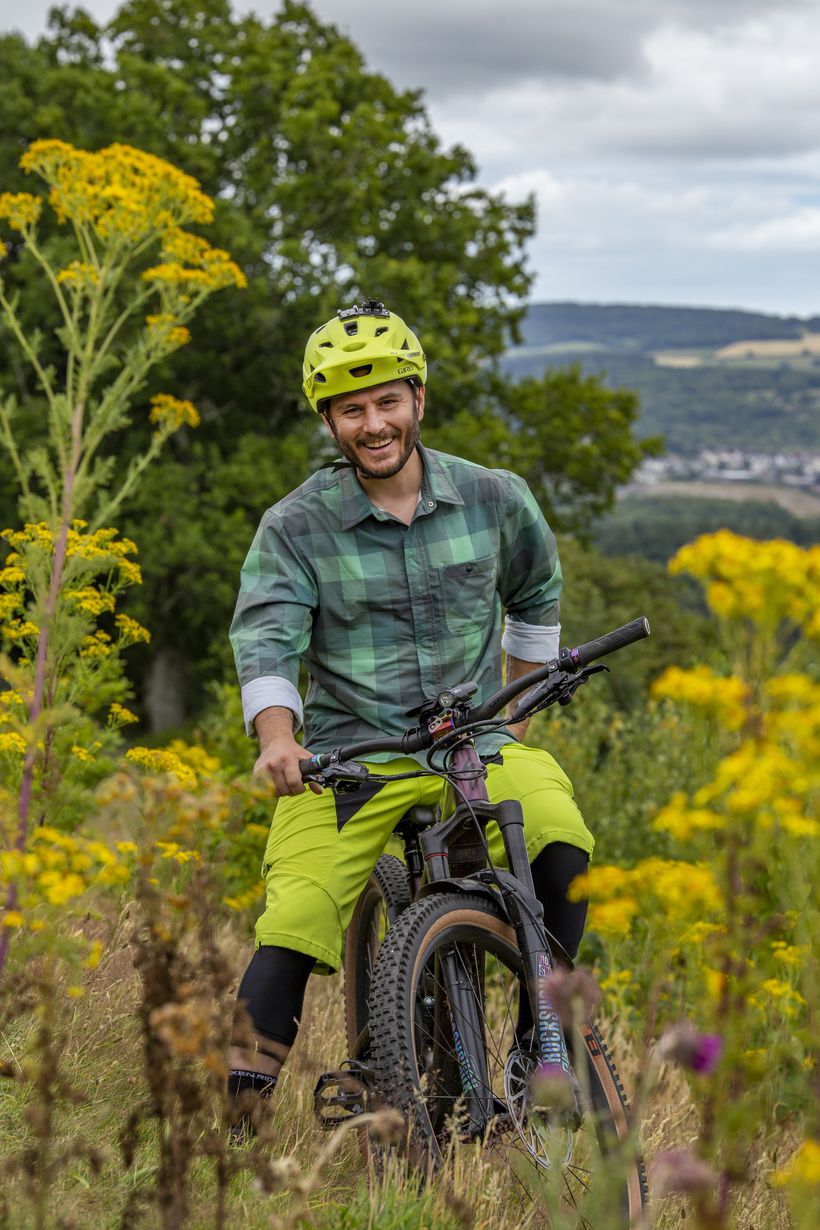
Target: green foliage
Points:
(270, 118)
(623, 766)
(196, 516)
(703, 407)
(604, 591)
(568, 435)
(656, 526)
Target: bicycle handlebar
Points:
(569, 661)
(636, 630)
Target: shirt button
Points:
(430, 504)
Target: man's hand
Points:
(280, 756)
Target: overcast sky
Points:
(673, 145)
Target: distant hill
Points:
(692, 391)
(642, 329)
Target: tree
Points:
(330, 184)
(568, 434)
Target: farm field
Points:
(792, 499)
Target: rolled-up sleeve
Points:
(529, 577)
(272, 622)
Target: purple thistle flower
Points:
(680, 1171)
(573, 994)
(685, 1045)
(707, 1053)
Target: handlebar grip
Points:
(636, 630)
(313, 764)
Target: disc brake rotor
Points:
(540, 1137)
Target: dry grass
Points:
(102, 1059)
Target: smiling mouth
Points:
(379, 448)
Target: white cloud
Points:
(798, 231)
(674, 146)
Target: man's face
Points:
(377, 429)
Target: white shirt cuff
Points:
(530, 642)
(266, 691)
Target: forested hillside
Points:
(645, 328)
(697, 402)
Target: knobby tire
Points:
(384, 897)
(417, 1074)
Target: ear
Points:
(420, 391)
(328, 422)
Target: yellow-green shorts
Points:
(322, 848)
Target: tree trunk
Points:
(165, 689)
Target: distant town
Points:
(792, 469)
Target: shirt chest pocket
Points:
(468, 592)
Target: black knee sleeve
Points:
(273, 991)
(552, 873)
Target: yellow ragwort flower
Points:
(803, 1169)
(79, 276)
(21, 209)
(172, 412)
(119, 715)
(92, 601)
(98, 645)
(725, 698)
(158, 760)
(131, 633)
(123, 193)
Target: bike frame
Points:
(444, 844)
(525, 913)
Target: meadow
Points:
(129, 874)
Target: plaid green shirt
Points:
(382, 614)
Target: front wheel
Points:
(383, 898)
(591, 1172)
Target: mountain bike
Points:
(449, 970)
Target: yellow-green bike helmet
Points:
(361, 346)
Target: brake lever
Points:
(342, 777)
(557, 688)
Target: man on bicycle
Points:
(386, 575)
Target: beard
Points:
(396, 458)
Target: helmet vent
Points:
(380, 331)
(320, 378)
(351, 327)
(328, 344)
(405, 345)
(362, 371)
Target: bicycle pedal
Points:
(344, 1094)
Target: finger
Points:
(293, 776)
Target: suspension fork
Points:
(465, 985)
(526, 914)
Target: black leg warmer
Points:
(273, 991)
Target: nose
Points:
(373, 420)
